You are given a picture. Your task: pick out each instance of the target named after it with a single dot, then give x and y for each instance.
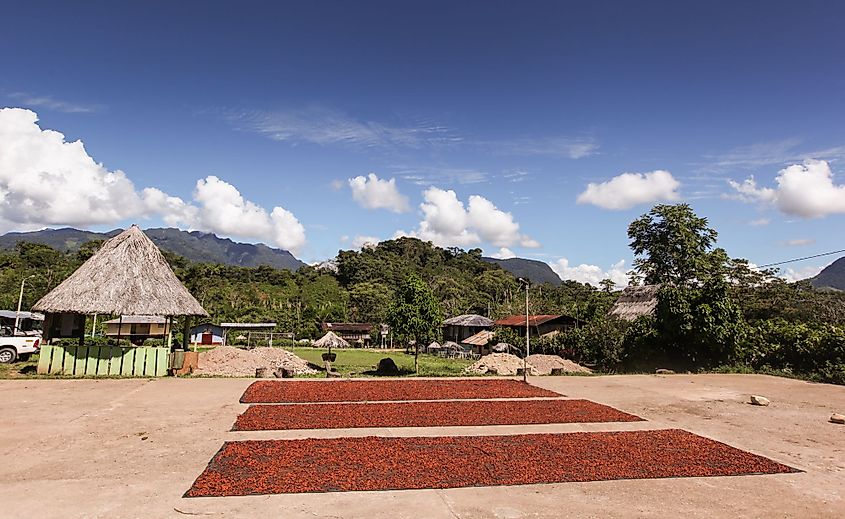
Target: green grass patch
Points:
(357, 362)
(19, 369)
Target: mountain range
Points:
(194, 246)
(208, 248)
(832, 276)
(538, 272)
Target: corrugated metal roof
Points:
(479, 339)
(245, 326)
(469, 320)
(533, 320)
(10, 314)
(346, 327)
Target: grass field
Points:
(350, 362)
(357, 362)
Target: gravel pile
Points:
(499, 364)
(228, 361)
(544, 364)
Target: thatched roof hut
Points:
(635, 302)
(127, 276)
(330, 340)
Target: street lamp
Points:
(527, 334)
(20, 300)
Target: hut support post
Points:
(186, 334)
(82, 335)
(119, 329)
(170, 332)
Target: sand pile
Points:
(499, 364)
(228, 361)
(544, 364)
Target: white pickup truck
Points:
(17, 347)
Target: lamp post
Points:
(20, 300)
(527, 334)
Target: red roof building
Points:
(539, 325)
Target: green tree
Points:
(607, 285)
(415, 314)
(672, 245)
(368, 302)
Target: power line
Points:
(802, 259)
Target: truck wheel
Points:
(8, 355)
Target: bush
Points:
(817, 351)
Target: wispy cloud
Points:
(431, 175)
(556, 146)
(516, 175)
(799, 242)
(51, 103)
(766, 154)
(325, 127)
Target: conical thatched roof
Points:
(127, 276)
(635, 302)
(330, 340)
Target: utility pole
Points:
(20, 300)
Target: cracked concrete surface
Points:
(130, 448)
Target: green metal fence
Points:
(102, 361)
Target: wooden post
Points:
(119, 329)
(82, 335)
(186, 334)
(170, 332)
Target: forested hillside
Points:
(361, 290)
(832, 276)
(713, 311)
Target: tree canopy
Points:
(671, 244)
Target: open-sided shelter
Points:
(458, 328)
(127, 276)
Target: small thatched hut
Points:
(330, 340)
(635, 302)
(127, 276)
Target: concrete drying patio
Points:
(131, 448)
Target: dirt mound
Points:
(499, 364)
(228, 361)
(544, 364)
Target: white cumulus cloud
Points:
(448, 222)
(365, 242)
(220, 208)
(503, 253)
(45, 180)
(806, 190)
(372, 192)
(629, 189)
(793, 275)
(592, 274)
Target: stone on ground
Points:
(760, 400)
(386, 366)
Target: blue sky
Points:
(491, 119)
